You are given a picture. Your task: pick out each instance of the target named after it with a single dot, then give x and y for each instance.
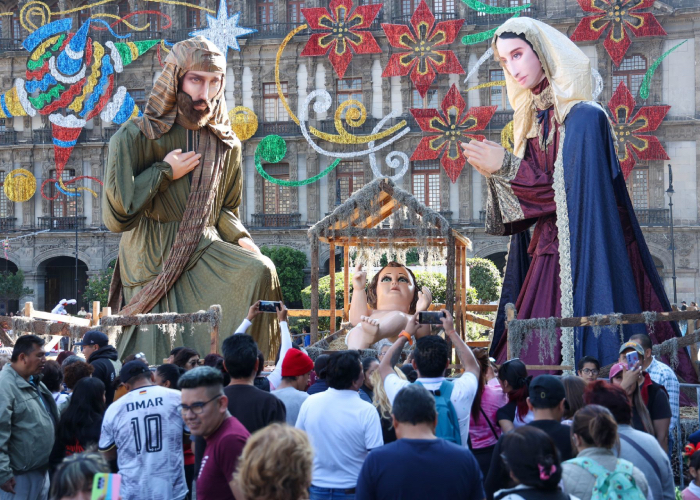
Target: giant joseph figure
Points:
(173, 187)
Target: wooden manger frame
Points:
(611, 320)
(339, 235)
(55, 325)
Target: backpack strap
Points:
(644, 454)
(488, 421)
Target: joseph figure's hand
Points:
(182, 163)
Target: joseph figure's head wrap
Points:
(195, 54)
(566, 67)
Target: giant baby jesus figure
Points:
(173, 188)
(381, 312)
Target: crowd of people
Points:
(340, 427)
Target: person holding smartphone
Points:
(653, 395)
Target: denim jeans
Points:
(316, 493)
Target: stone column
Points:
(313, 194)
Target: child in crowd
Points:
(692, 492)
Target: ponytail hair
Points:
(532, 457)
(515, 373)
(596, 426)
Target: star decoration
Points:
(223, 31)
(343, 29)
(450, 128)
(623, 14)
(647, 119)
(423, 60)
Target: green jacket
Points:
(26, 429)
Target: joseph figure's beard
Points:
(185, 107)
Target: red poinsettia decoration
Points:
(423, 59)
(450, 128)
(341, 27)
(628, 128)
(622, 14)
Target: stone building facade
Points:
(280, 216)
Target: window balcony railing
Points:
(289, 221)
(108, 132)
(42, 136)
(7, 224)
(8, 137)
(277, 128)
(7, 44)
(439, 16)
(62, 223)
(500, 119)
(481, 18)
(274, 30)
(653, 216)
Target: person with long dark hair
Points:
(532, 459)
(79, 427)
(187, 359)
(483, 426)
(515, 382)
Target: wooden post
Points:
(331, 271)
(450, 284)
(511, 314)
(346, 282)
(28, 309)
(464, 285)
(459, 312)
(214, 334)
(314, 289)
(95, 313)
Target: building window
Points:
(122, 10)
(408, 7)
(425, 178)
(444, 9)
(265, 9)
(631, 71)
(429, 101)
(638, 186)
(62, 206)
(350, 179)
(498, 95)
(277, 199)
(83, 14)
(294, 11)
(193, 18)
(2, 125)
(4, 202)
(139, 97)
(15, 27)
(347, 89)
(273, 110)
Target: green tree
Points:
(290, 264)
(484, 276)
(12, 286)
(98, 286)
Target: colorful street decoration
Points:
(448, 130)
(19, 185)
(344, 31)
(244, 122)
(629, 129)
(621, 16)
(423, 58)
(222, 30)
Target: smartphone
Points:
(632, 359)
(430, 317)
(106, 486)
(270, 306)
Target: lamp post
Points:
(75, 210)
(670, 192)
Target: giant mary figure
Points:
(587, 254)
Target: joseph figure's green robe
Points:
(142, 201)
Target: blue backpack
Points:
(447, 424)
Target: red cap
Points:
(296, 363)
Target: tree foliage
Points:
(97, 288)
(485, 278)
(12, 286)
(290, 264)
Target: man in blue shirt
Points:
(414, 465)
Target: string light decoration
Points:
(19, 185)
(272, 149)
(629, 128)
(244, 122)
(497, 83)
(507, 138)
(492, 9)
(448, 130)
(644, 87)
(620, 15)
(427, 46)
(223, 31)
(483, 36)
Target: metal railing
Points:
(653, 216)
(7, 44)
(481, 18)
(500, 119)
(61, 223)
(274, 30)
(8, 137)
(289, 221)
(277, 128)
(42, 136)
(439, 16)
(7, 224)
